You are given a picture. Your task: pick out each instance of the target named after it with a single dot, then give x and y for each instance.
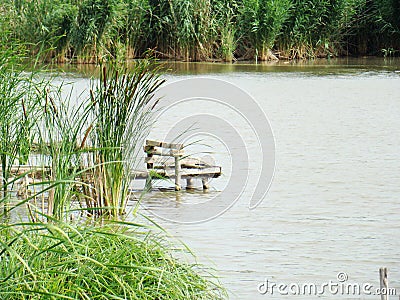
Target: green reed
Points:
(261, 22)
(18, 110)
(121, 108)
(125, 260)
(98, 31)
(61, 137)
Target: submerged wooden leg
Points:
(189, 184)
(177, 173)
(204, 181)
(23, 187)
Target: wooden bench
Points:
(164, 160)
(168, 160)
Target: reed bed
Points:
(73, 151)
(93, 31)
(89, 147)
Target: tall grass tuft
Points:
(46, 26)
(224, 28)
(116, 261)
(181, 28)
(121, 109)
(138, 29)
(261, 23)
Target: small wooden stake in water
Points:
(384, 286)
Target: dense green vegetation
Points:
(116, 261)
(99, 30)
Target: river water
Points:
(334, 202)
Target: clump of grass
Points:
(138, 27)
(121, 109)
(46, 26)
(114, 261)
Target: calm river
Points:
(334, 202)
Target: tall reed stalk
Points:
(18, 111)
(261, 22)
(121, 108)
(62, 137)
(224, 28)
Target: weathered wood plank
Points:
(188, 162)
(160, 152)
(33, 171)
(164, 145)
(170, 172)
(211, 172)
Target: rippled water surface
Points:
(334, 202)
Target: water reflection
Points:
(321, 67)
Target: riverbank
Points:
(95, 31)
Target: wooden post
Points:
(204, 181)
(189, 183)
(149, 150)
(384, 286)
(177, 173)
(23, 187)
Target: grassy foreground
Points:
(115, 261)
